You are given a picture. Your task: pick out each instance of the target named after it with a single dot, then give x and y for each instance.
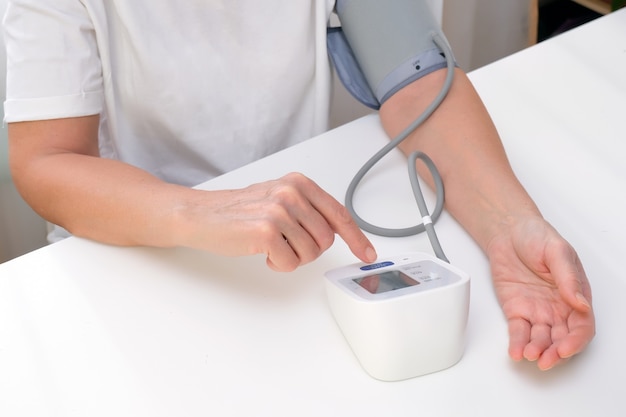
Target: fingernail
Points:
(370, 254)
(582, 300)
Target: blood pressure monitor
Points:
(404, 316)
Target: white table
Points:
(92, 330)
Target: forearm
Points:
(58, 171)
(482, 192)
(104, 200)
(538, 277)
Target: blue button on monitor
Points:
(376, 266)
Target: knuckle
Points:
(343, 216)
(285, 194)
(275, 212)
(326, 240)
(280, 265)
(291, 266)
(267, 231)
(296, 177)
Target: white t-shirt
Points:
(186, 90)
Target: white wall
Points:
(483, 31)
(21, 230)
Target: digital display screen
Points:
(385, 282)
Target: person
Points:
(115, 108)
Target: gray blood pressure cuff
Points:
(383, 45)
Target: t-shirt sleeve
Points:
(53, 66)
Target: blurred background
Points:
(480, 32)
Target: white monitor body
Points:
(404, 316)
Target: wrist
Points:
(188, 213)
(491, 219)
(501, 231)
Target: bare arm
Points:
(57, 168)
(538, 277)
(464, 144)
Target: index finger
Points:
(342, 223)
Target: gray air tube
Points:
(393, 43)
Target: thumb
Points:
(570, 277)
